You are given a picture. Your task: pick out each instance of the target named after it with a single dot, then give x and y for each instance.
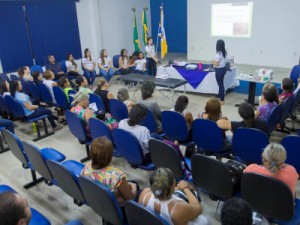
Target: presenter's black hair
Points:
(220, 47)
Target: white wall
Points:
(109, 24)
(274, 40)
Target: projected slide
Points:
(231, 19)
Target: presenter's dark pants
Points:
(220, 74)
(151, 66)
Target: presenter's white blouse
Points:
(87, 63)
(150, 49)
(219, 58)
(107, 60)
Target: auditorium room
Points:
(147, 112)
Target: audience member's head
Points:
(103, 54)
(81, 81)
(236, 211)
(270, 93)
(63, 82)
(124, 53)
(181, 103)
(122, 94)
(147, 89)
(37, 76)
(101, 152)
(102, 84)
(51, 59)
(287, 85)
(14, 209)
(24, 70)
(71, 59)
(137, 113)
(149, 41)
(247, 112)
(220, 47)
(81, 99)
(87, 53)
(273, 157)
(48, 75)
(4, 86)
(15, 86)
(141, 55)
(162, 183)
(213, 109)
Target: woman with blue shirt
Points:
(89, 65)
(219, 63)
(31, 111)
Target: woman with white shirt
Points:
(219, 62)
(140, 64)
(89, 65)
(124, 62)
(105, 65)
(151, 57)
(71, 66)
(49, 76)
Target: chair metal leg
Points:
(34, 180)
(87, 158)
(47, 133)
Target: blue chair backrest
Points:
(14, 107)
(16, 146)
(116, 61)
(45, 93)
(174, 125)
(63, 66)
(14, 77)
(3, 105)
(248, 144)
(34, 90)
(291, 144)
(60, 98)
(101, 200)
(287, 108)
(36, 68)
(98, 129)
(296, 102)
(37, 160)
(3, 76)
(76, 126)
(98, 101)
(274, 118)
(207, 135)
(138, 214)
(128, 146)
(295, 74)
(25, 87)
(118, 109)
(149, 122)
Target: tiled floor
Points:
(58, 206)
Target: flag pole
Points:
(160, 8)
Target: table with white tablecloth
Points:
(208, 85)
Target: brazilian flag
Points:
(136, 41)
(145, 26)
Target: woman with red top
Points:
(287, 86)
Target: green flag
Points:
(136, 41)
(145, 26)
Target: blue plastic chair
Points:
(63, 66)
(210, 138)
(45, 94)
(18, 112)
(74, 222)
(25, 87)
(61, 99)
(130, 149)
(4, 107)
(3, 76)
(118, 109)
(98, 101)
(294, 111)
(13, 77)
(36, 68)
(34, 91)
(270, 197)
(175, 127)
(66, 176)
(138, 214)
(36, 217)
(291, 144)
(286, 111)
(116, 64)
(248, 145)
(149, 122)
(77, 128)
(274, 118)
(2, 147)
(98, 129)
(295, 73)
(18, 151)
(102, 201)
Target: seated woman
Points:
(136, 115)
(140, 64)
(287, 86)
(71, 65)
(64, 84)
(246, 111)
(31, 111)
(268, 101)
(273, 157)
(123, 96)
(99, 169)
(103, 92)
(213, 112)
(49, 76)
(105, 65)
(24, 73)
(147, 100)
(124, 62)
(160, 198)
(37, 77)
(4, 88)
(89, 65)
(82, 84)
